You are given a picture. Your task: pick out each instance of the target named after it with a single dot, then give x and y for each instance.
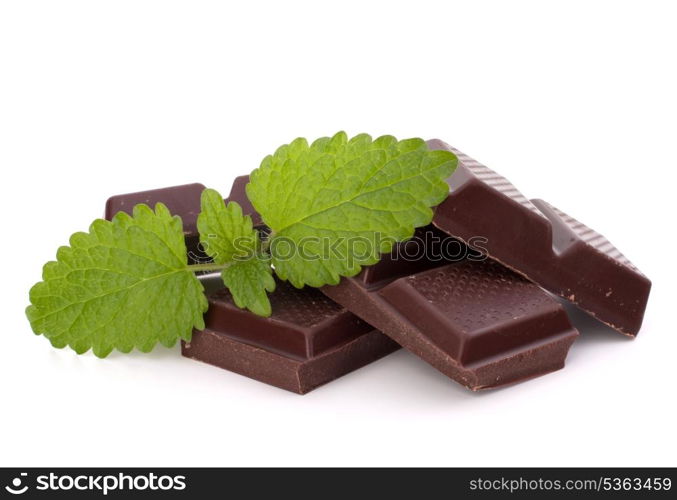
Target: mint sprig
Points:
(229, 238)
(332, 206)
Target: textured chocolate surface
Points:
(303, 324)
(477, 322)
(474, 311)
(308, 340)
(183, 201)
(543, 243)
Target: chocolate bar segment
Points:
(461, 306)
(477, 322)
(183, 201)
(542, 243)
(308, 340)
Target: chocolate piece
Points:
(183, 201)
(475, 321)
(308, 340)
(542, 243)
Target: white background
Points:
(574, 103)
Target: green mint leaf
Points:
(229, 238)
(225, 234)
(124, 284)
(335, 205)
(248, 281)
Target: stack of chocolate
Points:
(470, 294)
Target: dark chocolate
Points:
(543, 244)
(473, 319)
(308, 340)
(477, 322)
(183, 201)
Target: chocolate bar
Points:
(474, 320)
(183, 201)
(308, 340)
(543, 244)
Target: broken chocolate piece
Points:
(477, 322)
(542, 243)
(183, 201)
(308, 340)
